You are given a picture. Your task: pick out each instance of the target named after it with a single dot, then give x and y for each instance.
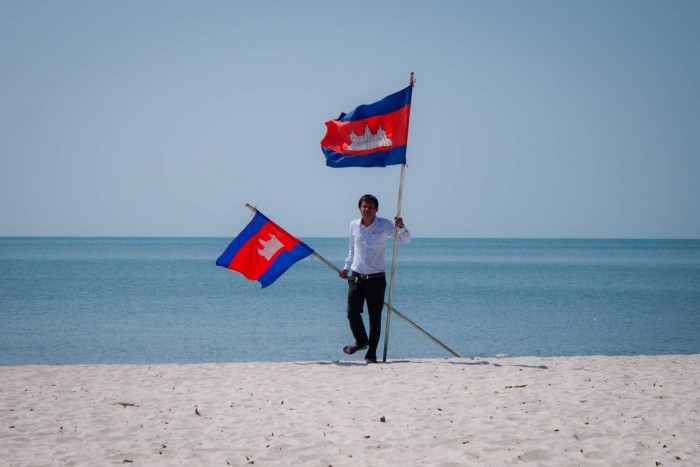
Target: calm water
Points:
(157, 300)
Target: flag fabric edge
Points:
(266, 271)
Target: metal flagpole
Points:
(393, 261)
(336, 269)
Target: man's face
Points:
(368, 210)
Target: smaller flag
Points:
(372, 135)
(263, 251)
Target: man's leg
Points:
(356, 299)
(375, 304)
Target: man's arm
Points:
(404, 234)
(351, 254)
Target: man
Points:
(365, 269)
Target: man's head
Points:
(368, 205)
(369, 199)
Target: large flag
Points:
(263, 251)
(372, 135)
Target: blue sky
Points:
(529, 119)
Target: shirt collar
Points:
(374, 222)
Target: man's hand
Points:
(398, 222)
(343, 274)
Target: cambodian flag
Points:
(372, 135)
(263, 251)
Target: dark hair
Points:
(371, 198)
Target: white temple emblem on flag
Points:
(368, 140)
(270, 247)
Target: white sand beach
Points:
(641, 411)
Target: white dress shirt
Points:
(367, 249)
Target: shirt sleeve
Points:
(390, 229)
(404, 235)
(351, 250)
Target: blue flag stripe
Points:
(387, 105)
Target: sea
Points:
(67, 301)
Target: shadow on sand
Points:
(346, 363)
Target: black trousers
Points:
(370, 291)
